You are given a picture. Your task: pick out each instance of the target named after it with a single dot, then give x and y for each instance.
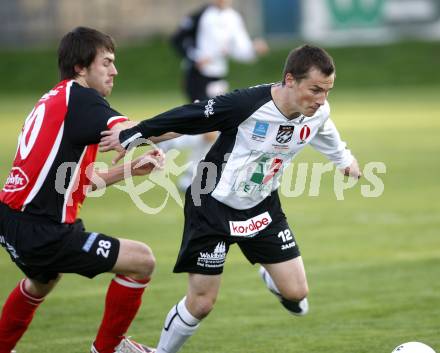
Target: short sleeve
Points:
(88, 115)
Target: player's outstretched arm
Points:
(110, 139)
(216, 114)
(142, 165)
(165, 137)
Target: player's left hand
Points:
(260, 46)
(352, 170)
(110, 141)
(145, 164)
(201, 63)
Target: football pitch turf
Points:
(373, 263)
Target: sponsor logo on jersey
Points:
(209, 108)
(258, 176)
(260, 131)
(262, 174)
(285, 133)
(304, 134)
(250, 227)
(213, 259)
(51, 93)
(17, 180)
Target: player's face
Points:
(100, 74)
(223, 3)
(311, 92)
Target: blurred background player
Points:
(38, 224)
(206, 40)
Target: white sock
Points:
(179, 326)
(270, 284)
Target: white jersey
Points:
(257, 142)
(256, 164)
(214, 34)
(222, 33)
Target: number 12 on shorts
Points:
(285, 235)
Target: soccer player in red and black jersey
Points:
(39, 203)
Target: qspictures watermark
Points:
(298, 179)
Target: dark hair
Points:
(79, 47)
(300, 60)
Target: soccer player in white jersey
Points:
(234, 197)
(39, 205)
(205, 40)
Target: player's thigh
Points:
(85, 253)
(289, 277)
(134, 258)
(195, 85)
(276, 244)
(203, 285)
(44, 249)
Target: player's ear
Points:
(79, 70)
(289, 80)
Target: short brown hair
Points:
(79, 47)
(300, 60)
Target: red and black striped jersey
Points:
(56, 151)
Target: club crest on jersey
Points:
(17, 180)
(285, 133)
(304, 134)
(260, 131)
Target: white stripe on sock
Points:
(34, 300)
(126, 283)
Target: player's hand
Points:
(352, 170)
(118, 157)
(260, 46)
(201, 63)
(110, 141)
(145, 164)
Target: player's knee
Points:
(145, 261)
(38, 289)
(296, 294)
(203, 306)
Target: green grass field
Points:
(373, 263)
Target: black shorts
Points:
(42, 249)
(196, 85)
(261, 232)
